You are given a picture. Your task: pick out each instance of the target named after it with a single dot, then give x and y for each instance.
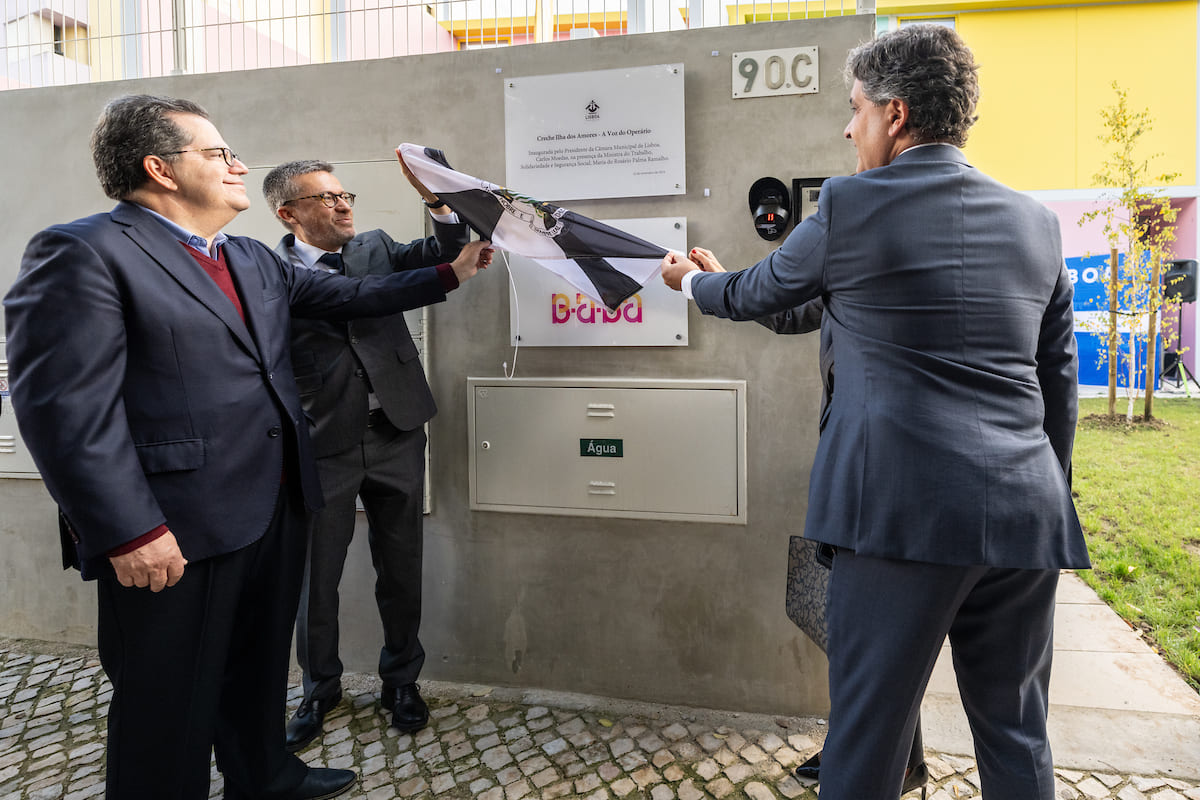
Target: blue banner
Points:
(1089, 276)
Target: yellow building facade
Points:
(1048, 70)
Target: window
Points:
(945, 21)
(58, 40)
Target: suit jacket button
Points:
(273, 432)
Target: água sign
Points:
(601, 448)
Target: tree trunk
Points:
(1151, 333)
(1131, 391)
(1113, 353)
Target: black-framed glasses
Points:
(226, 153)
(328, 199)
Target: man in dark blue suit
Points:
(152, 382)
(941, 476)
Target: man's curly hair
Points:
(930, 69)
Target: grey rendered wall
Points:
(664, 611)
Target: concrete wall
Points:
(665, 611)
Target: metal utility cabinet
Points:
(646, 449)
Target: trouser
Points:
(887, 621)
(203, 665)
(388, 472)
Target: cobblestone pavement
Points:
(485, 743)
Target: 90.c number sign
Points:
(766, 73)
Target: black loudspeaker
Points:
(1170, 366)
(1179, 282)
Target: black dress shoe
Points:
(321, 783)
(409, 712)
(305, 724)
(811, 769)
(915, 778)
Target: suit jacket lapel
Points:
(158, 243)
(354, 259)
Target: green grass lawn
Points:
(1137, 490)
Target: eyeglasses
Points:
(226, 153)
(328, 199)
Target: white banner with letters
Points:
(604, 133)
(547, 311)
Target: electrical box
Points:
(805, 193)
(646, 449)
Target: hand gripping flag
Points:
(604, 263)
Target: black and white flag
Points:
(604, 263)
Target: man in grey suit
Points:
(941, 477)
(366, 397)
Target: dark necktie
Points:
(332, 262)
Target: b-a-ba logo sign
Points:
(584, 310)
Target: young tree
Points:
(1139, 228)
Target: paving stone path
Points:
(484, 743)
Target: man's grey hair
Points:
(280, 184)
(129, 129)
(929, 68)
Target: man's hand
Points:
(474, 257)
(705, 260)
(156, 564)
(426, 195)
(674, 266)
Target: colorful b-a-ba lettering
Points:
(584, 310)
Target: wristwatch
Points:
(440, 203)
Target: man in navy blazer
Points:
(941, 476)
(152, 382)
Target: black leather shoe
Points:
(305, 724)
(811, 769)
(409, 712)
(915, 778)
(321, 783)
